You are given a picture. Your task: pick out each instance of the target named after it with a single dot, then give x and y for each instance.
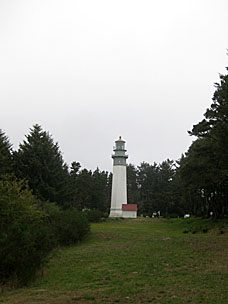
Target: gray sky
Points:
(89, 71)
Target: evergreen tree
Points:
(202, 180)
(177, 206)
(5, 154)
(74, 169)
(73, 193)
(39, 160)
(164, 195)
(204, 170)
(148, 183)
(92, 190)
(215, 124)
(109, 191)
(100, 190)
(158, 188)
(84, 189)
(132, 184)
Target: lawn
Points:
(136, 261)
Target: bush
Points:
(68, 226)
(94, 215)
(30, 229)
(24, 233)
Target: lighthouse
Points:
(119, 179)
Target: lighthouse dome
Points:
(120, 139)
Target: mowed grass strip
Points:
(135, 261)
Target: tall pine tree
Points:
(207, 156)
(39, 160)
(5, 154)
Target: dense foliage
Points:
(95, 215)
(5, 154)
(25, 238)
(69, 226)
(204, 168)
(153, 188)
(30, 229)
(91, 190)
(39, 160)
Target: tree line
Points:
(197, 183)
(39, 161)
(46, 203)
(204, 168)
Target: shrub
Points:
(30, 229)
(68, 226)
(24, 233)
(185, 231)
(94, 215)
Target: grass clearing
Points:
(136, 261)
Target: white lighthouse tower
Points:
(119, 179)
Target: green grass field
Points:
(136, 261)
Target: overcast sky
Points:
(88, 71)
